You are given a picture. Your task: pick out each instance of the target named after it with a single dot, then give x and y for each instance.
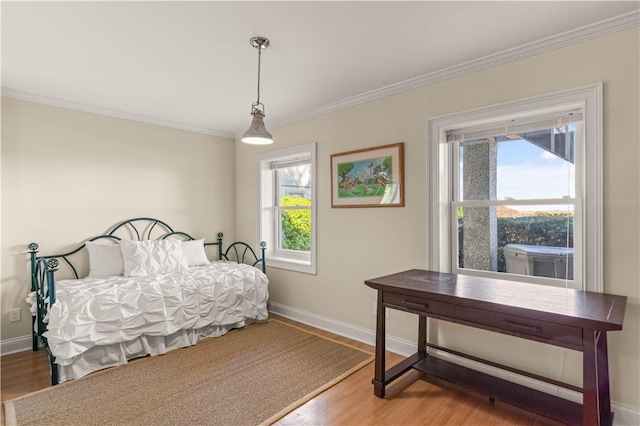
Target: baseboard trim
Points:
(15, 345)
(363, 335)
(624, 415)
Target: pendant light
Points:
(258, 133)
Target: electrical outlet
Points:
(14, 315)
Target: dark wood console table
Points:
(573, 319)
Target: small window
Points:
(287, 207)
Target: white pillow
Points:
(105, 260)
(194, 252)
(143, 258)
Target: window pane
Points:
(525, 240)
(294, 190)
(294, 185)
(530, 165)
(295, 229)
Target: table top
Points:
(587, 310)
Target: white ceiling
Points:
(190, 65)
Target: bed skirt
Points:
(101, 357)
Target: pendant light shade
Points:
(258, 133)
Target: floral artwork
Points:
(368, 178)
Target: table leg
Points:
(604, 397)
(422, 334)
(379, 378)
(596, 400)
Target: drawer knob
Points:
(522, 327)
(415, 305)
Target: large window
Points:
(516, 191)
(287, 207)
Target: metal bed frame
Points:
(43, 268)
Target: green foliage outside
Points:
(540, 229)
(296, 224)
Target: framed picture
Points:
(371, 177)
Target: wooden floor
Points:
(409, 401)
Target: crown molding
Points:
(619, 23)
(30, 97)
(598, 29)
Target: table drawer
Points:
(559, 334)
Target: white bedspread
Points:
(104, 311)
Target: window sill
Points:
(291, 265)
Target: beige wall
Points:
(355, 244)
(69, 175)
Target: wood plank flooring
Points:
(409, 401)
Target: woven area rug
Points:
(254, 375)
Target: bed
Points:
(149, 289)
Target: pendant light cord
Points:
(260, 44)
(259, 55)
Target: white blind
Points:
(290, 162)
(511, 127)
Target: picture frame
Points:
(370, 177)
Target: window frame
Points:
(269, 210)
(588, 218)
